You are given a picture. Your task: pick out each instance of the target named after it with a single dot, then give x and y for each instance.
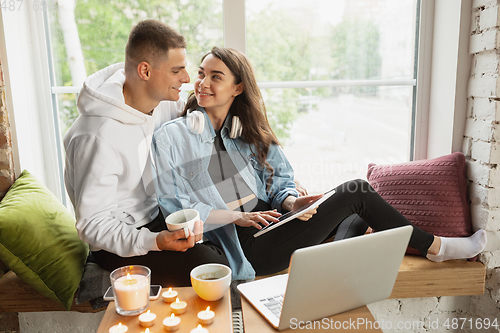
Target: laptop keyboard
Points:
(274, 304)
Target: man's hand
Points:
(177, 241)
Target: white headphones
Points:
(196, 124)
(195, 121)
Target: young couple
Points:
(219, 157)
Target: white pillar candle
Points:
(132, 291)
(206, 317)
(118, 328)
(199, 329)
(169, 296)
(147, 319)
(172, 323)
(178, 307)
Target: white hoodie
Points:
(108, 168)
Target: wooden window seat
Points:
(418, 277)
(17, 296)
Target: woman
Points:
(223, 159)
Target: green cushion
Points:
(39, 241)
(3, 269)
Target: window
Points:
(91, 35)
(337, 77)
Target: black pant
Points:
(271, 252)
(168, 268)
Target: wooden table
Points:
(189, 320)
(255, 323)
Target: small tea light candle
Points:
(118, 328)
(199, 329)
(172, 323)
(169, 296)
(147, 330)
(178, 307)
(147, 319)
(206, 317)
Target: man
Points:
(108, 168)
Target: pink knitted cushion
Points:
(432, 194)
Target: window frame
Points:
(25, 64)
(30, 106)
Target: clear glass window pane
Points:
(293, 40)
(332, 134)
(102, 29)
(336, 139)
(67, 110)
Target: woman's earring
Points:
(236, 128)
(196, 122)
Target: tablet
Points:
(295, 213)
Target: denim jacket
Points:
(180, 163)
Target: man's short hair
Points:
(150, 41)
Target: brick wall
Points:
(6, 161)
(481, 147)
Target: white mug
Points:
(211, 281)
(182, 219)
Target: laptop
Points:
(331, 278)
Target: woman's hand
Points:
(177, 241)
(253, 219)
(301, 189)
(292, 203)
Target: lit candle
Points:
(169, 296)
(171, 324)
(147, 330)
(206, 317)
(147, 319)
(178, 307)
(132, 291)
(118, 328)
(199, 329)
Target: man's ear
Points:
(239, 89)
(144, 70)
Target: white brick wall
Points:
(485, 41)
(488, 18)
(481, 146)
(483, 3)
(482, 149)
(482, 86)
(485, 63)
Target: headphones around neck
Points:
(196, 124)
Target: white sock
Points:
(460, 247)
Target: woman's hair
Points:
(248, 106)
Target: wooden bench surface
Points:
(418, 277)
(17, 296)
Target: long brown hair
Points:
(248, 106)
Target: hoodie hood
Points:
(102, 95)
